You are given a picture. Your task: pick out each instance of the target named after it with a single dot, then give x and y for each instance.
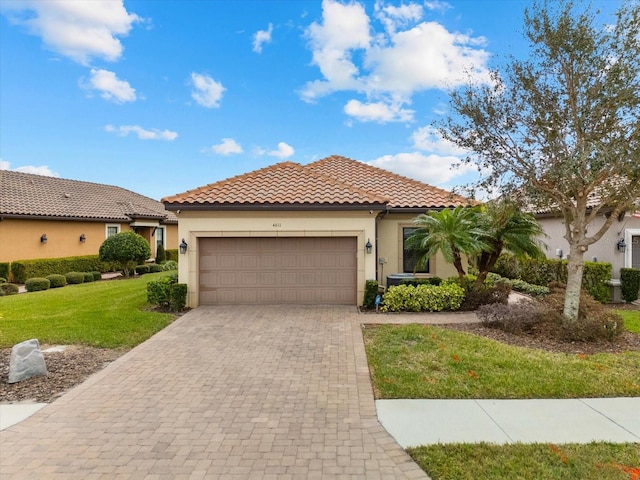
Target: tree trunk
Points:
(575, 267)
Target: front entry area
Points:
(278, 270)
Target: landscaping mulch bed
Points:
(66, 370)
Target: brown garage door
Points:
(300, 270)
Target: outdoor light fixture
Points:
(368, 246)
(83, 238)
(621, 245)
(43, 238)
(183, 247)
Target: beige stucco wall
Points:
(390, 248)
(195, 225)
(604, 250)
(20, 239)
(361, 224)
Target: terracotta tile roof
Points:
(332, 181)
(402, 192)
(37, 196)
(285, 183)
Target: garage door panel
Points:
(303, 270)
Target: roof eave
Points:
(273, 206)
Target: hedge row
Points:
(630, 280)
(21, 270)
(423, 298)
(544, 271)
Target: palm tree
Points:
(454, 232)
(506, 227)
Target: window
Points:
(409, 257)
(112, 230)
(159, 237)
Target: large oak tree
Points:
(562, 128)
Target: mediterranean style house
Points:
(304, 234)
(48, 217)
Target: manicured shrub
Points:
(423, 298)
(155, 268)
(57, 280)
(487, 295)
(171, 254)
(37, 284)
(96, 275)
(4, 270)
(422, 281)
(630, 284)
(513, 318)
(161, 255)
(3, 280)
(74, 278)
(158, 291)
(9, 289)
(88, 277)
(170, 265)
(177, 296)
(371, 289)
(24, 269)
(142, 269)
(128, 249)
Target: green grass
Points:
(420, 361)
(602, 461)
(631, 319)
(108, 314)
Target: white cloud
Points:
(42, 170)
(110, 87)
(207, 92)
(432, 169)
(142, 133)
(344, 28)
(261, 37)
(437, 5)
(284, 151)
(389, 66)
(429, 139)
(78, 30)
(377, 112)
(227, 147)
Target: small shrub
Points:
(96, 275)
(171, 254)
(4, 270)
(158, 291)
(142, 269)
(57, 280)
(161, 256)
(19, 272)
(170, 265)
(371, 289)
(88, 277)
(37, 284)
(74, 278)
(3, 280)
(422, 281)
(423, 298)
(177, 296)
(487, 295)
(9, 289)
(630, 284)
(513, 318)
(155, 268)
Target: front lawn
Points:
(108, 313)
(631, 319)
(602, 461)
(422, 361)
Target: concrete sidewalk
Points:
(422, 422)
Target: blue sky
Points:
(164, 96)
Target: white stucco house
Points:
(303, 234)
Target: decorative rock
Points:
(26, 361)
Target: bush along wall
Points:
(547, 270)
(423, 298)
(630, 280)
(37, 284)
(23, 269)
(4, 269)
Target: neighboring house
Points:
(48, 217)
(299, 234)
(619, 246)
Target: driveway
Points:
(223, 392)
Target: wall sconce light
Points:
(83, 238)
(559, 253)
(183, 247)
(368, 246)
(43, 238)
(621, 245)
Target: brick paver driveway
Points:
(223, 392)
